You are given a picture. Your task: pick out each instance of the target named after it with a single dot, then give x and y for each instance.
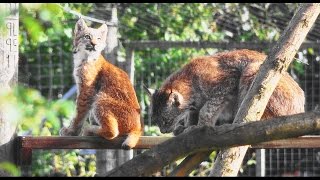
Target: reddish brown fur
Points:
(224, 77)
(115, 104)
(103, 89)
(116, 98)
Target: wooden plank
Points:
(300, 142)
(142, 45)
(84, 142)
(25, 145)
(145, 142)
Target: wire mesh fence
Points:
(49, 69)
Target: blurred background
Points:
(154, 40)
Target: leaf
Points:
(311, 51)
(33, 26)
(213, 155)
(251, 162)
(10, 168)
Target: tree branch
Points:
(189, 163)
(229, 135)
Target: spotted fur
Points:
(104, 91)
(209, 88)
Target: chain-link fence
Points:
(49, 69)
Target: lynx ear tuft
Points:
(80, 26)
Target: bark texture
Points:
(229, 161)
(209, 138)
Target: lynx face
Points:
(88, 42)
(166, 106)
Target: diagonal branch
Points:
(228, 161)
(206, 137)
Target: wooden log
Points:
(219, 137)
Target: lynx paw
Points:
(179, 127)
(185, 120)
(88, 132)
(125, 146)
(69, 132)
(190, 128)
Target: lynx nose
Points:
(91, 46)
(93, 42)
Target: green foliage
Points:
(27, 107)
(152, 131)
(250, 162)
(44, 21)
(10, 168)
(298, 67)
(171, 22)
(63, 163)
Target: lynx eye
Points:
(87, 36)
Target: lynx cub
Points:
(103, 89)
(212, 87)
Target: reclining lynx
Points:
(103, 89)
(212, 87)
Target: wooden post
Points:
(125, 155)
(129, 67)
(261, 162)
(8, 77)
(24, 156)
(109, 159)
(112, 40)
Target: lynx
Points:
(212, 87)
(103, 91)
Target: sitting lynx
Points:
(103, 89)
(212, 87)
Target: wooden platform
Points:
(26, 144)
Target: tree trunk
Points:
(229, 161)
(8, 77)
(208, 137)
